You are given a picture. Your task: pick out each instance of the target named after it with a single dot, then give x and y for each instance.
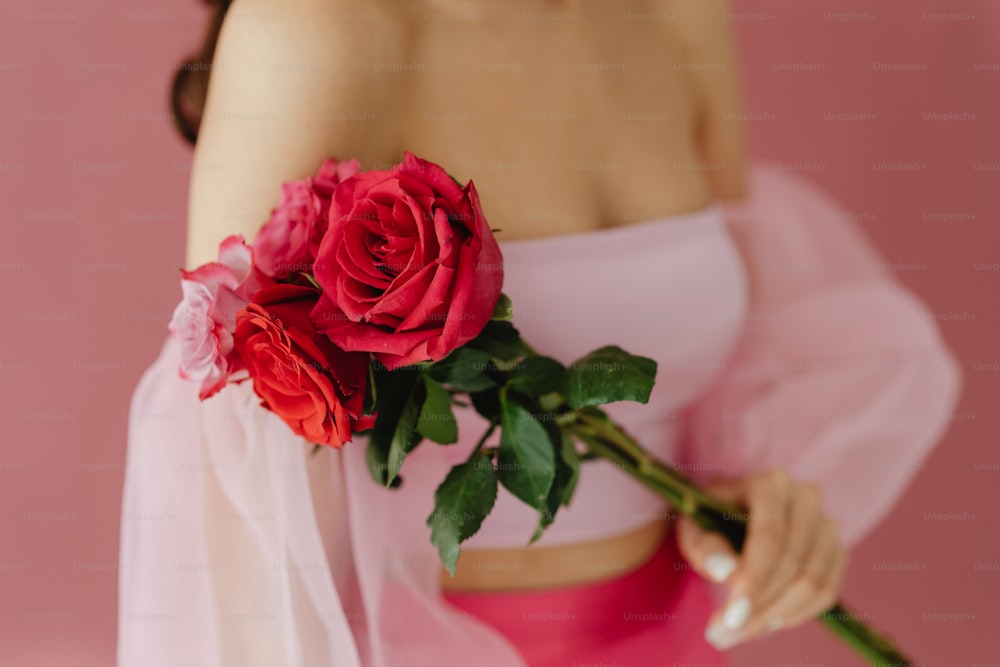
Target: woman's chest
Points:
(562, 125)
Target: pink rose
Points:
(287, 243)
(409, 267)
(329, 175)
(204, 320)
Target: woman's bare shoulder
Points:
(293, 82)
(702, 32)
(339, 37)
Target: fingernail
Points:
(719, 566)
(720, 637)
(737, 613)
(775, 624)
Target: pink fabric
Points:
(239, 548)
(645, 288)
(651, 617)
(841, 376)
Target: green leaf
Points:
(487, 403)
(500, 340)
(371, 392)
(394, 390)
(607, 375)
(536, 376)
(504, 309)
(572, 459)
(461, 502)
(437, 422)
(405, 436)
(526, 458)
(377, 459)
(465, 369)
(567, 472)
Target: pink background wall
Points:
(93, 183)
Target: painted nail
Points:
(737, 613)
(719, 637)
(719, 566)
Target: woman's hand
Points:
(792, 564)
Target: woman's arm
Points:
(290, 80)
(842, 376)
(841, 381)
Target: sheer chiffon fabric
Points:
(841, 376)
(238, 547)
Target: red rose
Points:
(315, 387)
(409, 267)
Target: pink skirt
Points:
(655, 615)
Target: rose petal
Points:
(235, 255)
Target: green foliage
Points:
(461, 503)
(607, 375)
(465, 369)
(400, 395)
(437, 422)
(526, 457)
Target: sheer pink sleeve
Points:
(841, 376)
(238, 547)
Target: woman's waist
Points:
(561, 566)
(658, 609)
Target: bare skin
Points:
(569, 116)
(519, 568)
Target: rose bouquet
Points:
(370, 303)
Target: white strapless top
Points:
(672, 289)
